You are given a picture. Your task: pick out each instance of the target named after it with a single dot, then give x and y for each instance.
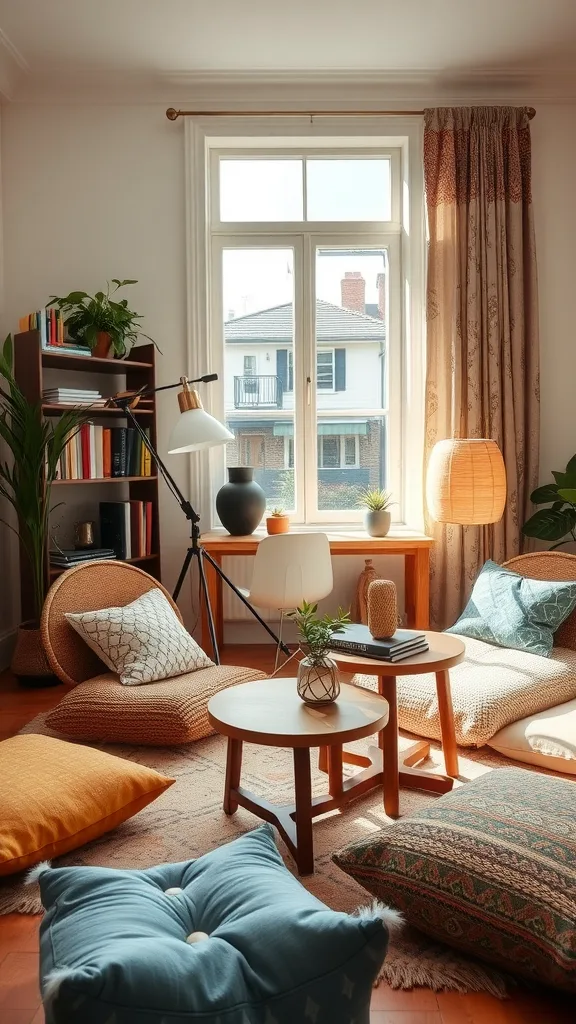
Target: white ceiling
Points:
(77, 40)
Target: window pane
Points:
(348, 189)
(261, 190)
(351, 415)
(258, 351)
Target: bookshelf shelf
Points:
(57, 571)
(32, 369)
(50, 409)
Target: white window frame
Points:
(375, 135)
(332, 352)
(342, 451)
(254, 362)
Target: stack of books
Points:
(126, 526)
(357, 639)
(65, 559)
(94, 452)
(74, 396)
(50, 323)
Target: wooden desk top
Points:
(271, 713)
(343, 540)
(445, 651)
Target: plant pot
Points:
(103, 347)
(377, 523)
(277, 524)
(29, 663)
(241, 502)
(318, 682)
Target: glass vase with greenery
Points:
(88, 318)
(35, 445)
(318, 681)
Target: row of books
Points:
(50, 323)
(357, 639)
(94, 452)
(74, 396)
(126, 527)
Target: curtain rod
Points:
(173, 114)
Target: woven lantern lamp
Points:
(466, 482)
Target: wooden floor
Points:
(19, 994)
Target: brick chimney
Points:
(381, 285)
(354, 291)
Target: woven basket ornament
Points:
(382, 609)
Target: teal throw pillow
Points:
(513, 611)
(114, 949)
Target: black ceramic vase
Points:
(241, 502)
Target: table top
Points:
(345, 539)
(271, 713)
(445, 651)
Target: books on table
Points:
(126, 527)
(94, 452)
(357, 639)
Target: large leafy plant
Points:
(558, 522)
(86, 316)
(26, 480)
(316, 633)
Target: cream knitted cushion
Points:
(142, 641)
(492, 687)
(161, 714)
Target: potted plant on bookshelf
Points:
(376, 504)
(108, 327)
(277, 521)
(36, 446)
(318, 682)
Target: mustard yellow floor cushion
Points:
(56, 796)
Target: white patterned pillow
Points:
(142, 642)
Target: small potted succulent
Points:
(318, 681)
(108, 327)
(376, 504)
(277, 521)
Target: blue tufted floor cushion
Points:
(114, 950)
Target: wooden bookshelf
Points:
(136, 371)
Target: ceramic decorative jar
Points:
(377, 522)
(241, 502)
(318, 681)
(382, 609)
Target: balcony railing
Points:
(261, 392)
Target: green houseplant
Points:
(26, 481)
(558, 521)
(106, 325)
(318, 681)
(377, 503)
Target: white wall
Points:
(98, 191)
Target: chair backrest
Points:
(86, 588)
(550, 565)
(291, 568)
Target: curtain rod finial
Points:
(531, 111)
(172, 114)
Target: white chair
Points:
(288, 569)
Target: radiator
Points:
(239, 569)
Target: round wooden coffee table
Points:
(445, 651)
(270, 712)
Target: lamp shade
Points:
(195, 430)
(466, 482)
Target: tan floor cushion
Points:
(492, 687)
(155, 714)
(547, 739)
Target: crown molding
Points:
(13, 67)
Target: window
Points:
(305, 321)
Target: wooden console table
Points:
(415, 547)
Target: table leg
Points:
(388, 743)
(421, 595)
(334, 770)
(214, 584)
(323, 759)
(303, 812)
(232, 780)
(447, 723)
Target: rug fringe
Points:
(408, 965)
(15, 898)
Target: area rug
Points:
(188, 820)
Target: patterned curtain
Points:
(482, 324)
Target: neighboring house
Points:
(259, 394)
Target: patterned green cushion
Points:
(489, 868)
(512, 611)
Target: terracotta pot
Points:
(103, 347)
(29, 663)
(277, 524)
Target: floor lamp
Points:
(194, 430)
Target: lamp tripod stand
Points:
(189, 400)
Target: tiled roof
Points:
(333, 323)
